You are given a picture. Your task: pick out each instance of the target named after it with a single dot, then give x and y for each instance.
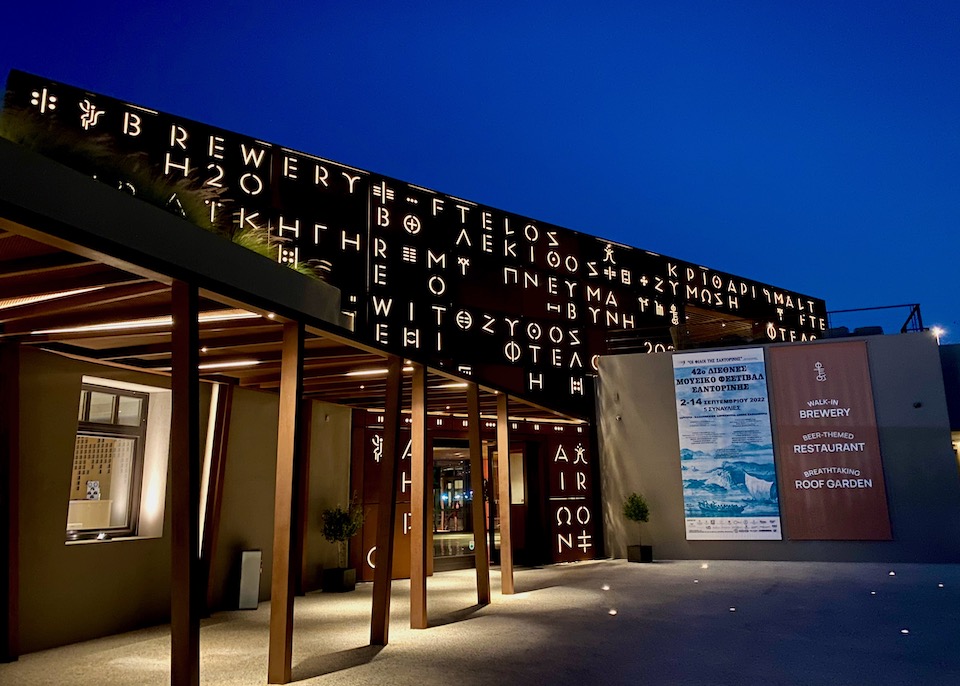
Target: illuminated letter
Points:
(320, 175)
(295, 229)
(488, 324)
(434, 259)
(168, 164)
(254, 157)
(215, 149)
(290, 167)
(178, 136)
(381, 307)
(345, 241)
(436, 285)
(248, 219)
(464, 237)
(131, 124)
(411, 338)
(217, 178)
(257, 188)
(350, 180)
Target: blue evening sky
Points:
(811, 145)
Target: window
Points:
(107, 462)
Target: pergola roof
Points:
(86, 271)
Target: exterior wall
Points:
(246, 517)
(329, 484)
(73, 592)
(82, 590)
(639, 451)
(950, 359)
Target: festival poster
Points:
(830, 465)
(726, 447)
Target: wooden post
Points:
(476, 485)
(386, 517)
(419, 489)
(187, 594)
(280, 656)
(10, 496)
(503, 484)
(214, 502)
(302, 506)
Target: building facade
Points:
(401, 345)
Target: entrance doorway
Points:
(453, 541)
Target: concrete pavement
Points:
(603, 622)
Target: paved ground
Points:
(605, 622)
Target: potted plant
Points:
(635, 509)
(339, 525)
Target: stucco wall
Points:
(246, 519)
(950, 359)
(73, 592)
(639, 451)
(329, 484)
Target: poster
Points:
(726, 448)
(830, 464)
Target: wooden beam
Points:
(301, 508)
(476, 485)
(185, 580)
(88, 301)
(503, 494)
(43, 264)
(280, 658)
(92, 274)
(419, 489)
(10, 498)
(386, 512)
(215, 480)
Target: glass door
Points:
(453, 542)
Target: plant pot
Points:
(640, 553)
(339, 580)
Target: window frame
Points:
(113, 429)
